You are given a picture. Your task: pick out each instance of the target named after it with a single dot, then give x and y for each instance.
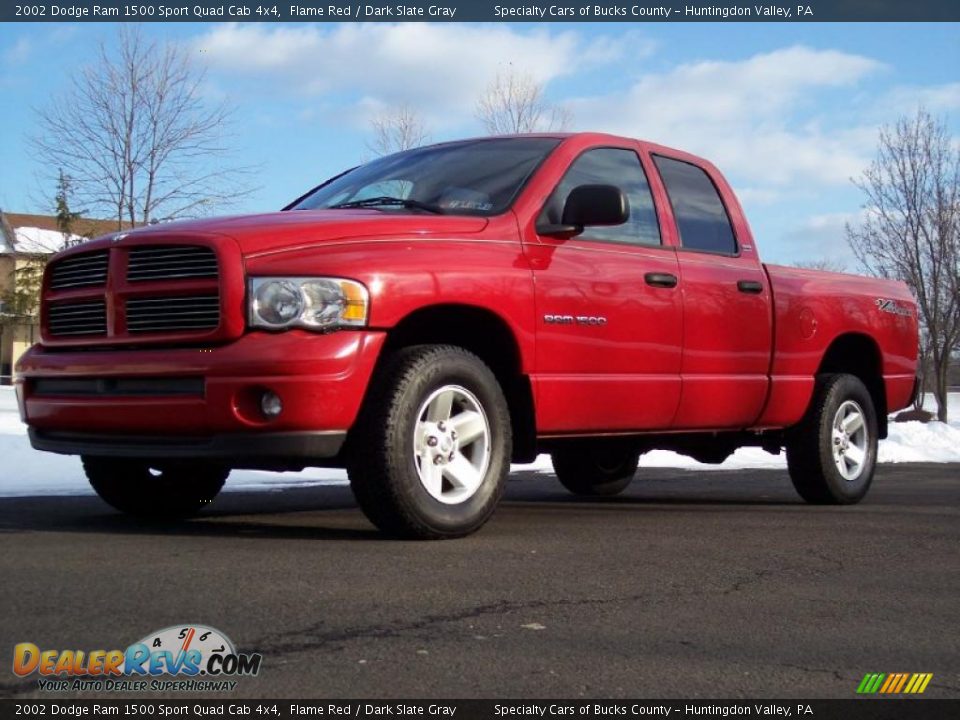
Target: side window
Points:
(610, 166)
(701, 217)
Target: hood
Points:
(301, 228)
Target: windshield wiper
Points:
(386, 200)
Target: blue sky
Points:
(788, 111)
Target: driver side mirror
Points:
(589, 205)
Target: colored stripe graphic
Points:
(870, 683)
(899, 687)
(891, 682)
(918, 683)
(894, 683)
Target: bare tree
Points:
(825, 264)
(136, 137)
(514, 103)
(912, 231)
(396, 129)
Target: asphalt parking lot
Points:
(705, 585)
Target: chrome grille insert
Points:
(164, 314)
(88, 317)
(171, 262)
(85, 270)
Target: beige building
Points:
(26, 242)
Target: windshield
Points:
(474, 177)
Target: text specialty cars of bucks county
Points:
(426, 318)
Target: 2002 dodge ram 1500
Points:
(426, 318)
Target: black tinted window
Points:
(610, 166)
(475, 177)
(701, 217)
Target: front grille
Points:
(86, 270)
(128, 294)
(171, 262)
(165, 314)
(87, 317)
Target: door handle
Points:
(663, 280)
(753, 287)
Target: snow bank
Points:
(28, 472)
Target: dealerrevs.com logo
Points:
(180, 657)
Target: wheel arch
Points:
(490, 337)
(859, 355)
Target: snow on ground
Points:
(27, 472)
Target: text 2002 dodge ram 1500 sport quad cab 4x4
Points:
(427, 317)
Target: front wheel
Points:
(595, 469)
(145, 489)
(832, 453)
(430, 453)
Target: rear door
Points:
(609, 314)
(727, 324)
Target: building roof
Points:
(39, 235)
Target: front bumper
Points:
(201, 402)
(271, 449)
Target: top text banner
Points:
(481, 11)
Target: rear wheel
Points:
(430, 454)
(832, 453)
(144, 489)
(595, 469)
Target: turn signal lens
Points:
(355, 307)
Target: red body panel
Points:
(321, 380)
(814, 308)
(700, 356)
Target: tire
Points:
(832, 453)
(143, 489)
(595, 469)
(411, 472)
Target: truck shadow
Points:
(330, 513)
(233, 514)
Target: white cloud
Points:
(758, 196)
(742, 114)
(821, 237)
(18, 53)
(935, 98)
(795, 118)
(439, 68)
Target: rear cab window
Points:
(701, 217)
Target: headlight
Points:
(313, 303)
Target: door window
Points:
(610, 166)
(702, 220)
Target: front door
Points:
(609, 314)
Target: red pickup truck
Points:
(426, 318)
